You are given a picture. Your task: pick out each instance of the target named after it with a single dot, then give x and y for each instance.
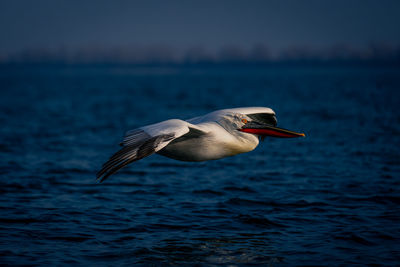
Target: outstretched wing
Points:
(143, 142)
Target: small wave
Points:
(19, 220)
(174, 165)
(208, 192)
(11, 188)
(270, 203)
(248, 202)
(258, 221)
(244, 189)
(224, 211)
(164, 226)
(138, 192)
(68, 170)
(123, 239)
(134, 173)
(125, 184)
(385, 237)
(384, 199)
(76, 239)
(175, 249)
(354, 238)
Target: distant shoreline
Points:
(231, 64)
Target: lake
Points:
(331, 198)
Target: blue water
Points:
(329, 199)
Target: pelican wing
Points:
(216, 115)
(143, 142)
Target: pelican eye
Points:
(244, 120)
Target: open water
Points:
(330, 199)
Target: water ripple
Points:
(328, 199)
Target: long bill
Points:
(269, 130)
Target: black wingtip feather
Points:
(129, 154)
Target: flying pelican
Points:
(216, 135)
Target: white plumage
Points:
(216, 135)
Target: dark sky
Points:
(26, 24)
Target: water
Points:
(331, 198)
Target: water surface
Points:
(331, 198)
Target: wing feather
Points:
(134, 136)
(143, 142)
(131, 153)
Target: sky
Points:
(278, 24)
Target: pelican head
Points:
(261, 122)
(264, 124)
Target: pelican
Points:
(216, 135)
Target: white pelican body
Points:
(219, 134)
